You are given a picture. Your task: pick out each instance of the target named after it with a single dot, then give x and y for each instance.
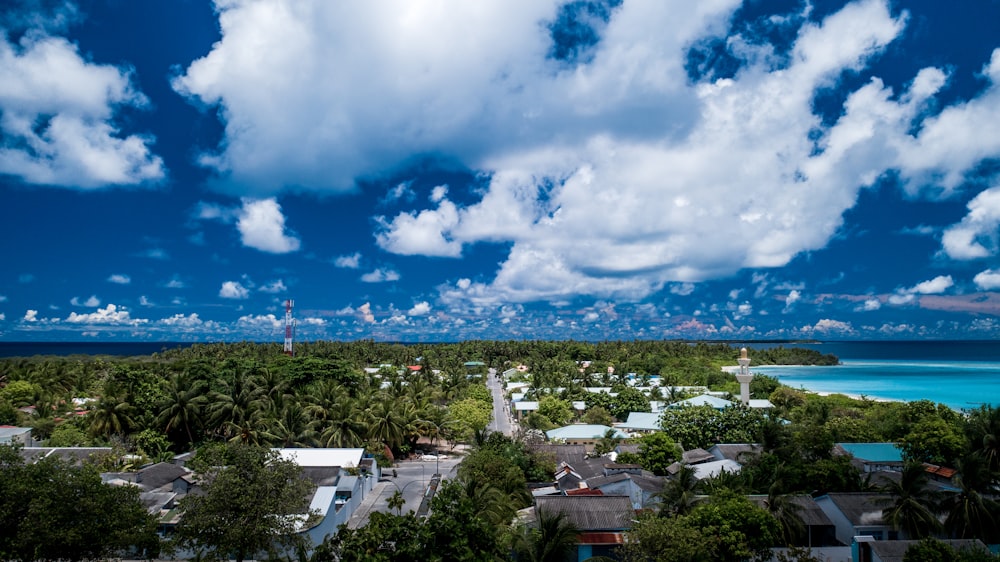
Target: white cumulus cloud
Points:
(988, 279)
(935, 286)
(119, 279)
(111, 314)
(93, 301)
(59, 118)
(351, 261)
(870, 305)
(420, 309)
(827, 326)
(976, 235)
(367, 316)
(233, 290)
(615, 176)
(262, 226)
(274, 287)
(380, 275)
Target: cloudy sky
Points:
(439, 171)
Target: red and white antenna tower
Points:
(289, 327)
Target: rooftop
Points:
(591, 513)
(873, 452)
(582, 431)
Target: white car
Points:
(433, 457)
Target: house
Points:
(641, 422)
(73, 455)
(712, 469)
(820, 530)
(524, 407)
(704, 400)
(11, 435)
(857, 513)
(338, 493)
(872, 457)
(582, 434)
(601, 520)
(698, 456)
(640, 486)
(734, 451)
(867, 549)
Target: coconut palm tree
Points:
(491, 503)
(292, 428)
(237, 407)
(680, 494)
(552, 539)
(343, 425)
(972, 512)
(911, 506)
(784, 509)
(112, 414)
(385, 424)
(184, 404)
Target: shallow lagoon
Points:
(958, 384)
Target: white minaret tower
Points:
(744, 377)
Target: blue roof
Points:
(885, 452)
(581, 431)
(641, 421)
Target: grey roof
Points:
(627, 448)
(322, 475)
(860, 508)
(8, 433)
(648, 483)
(893, 551)
(808, 510)
(569, 454)
(154, 502)
(158, 475)
(73, 455)
(733, 451)
(591, 513)
(695, 456)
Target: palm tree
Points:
(343, 425)
(554, 539)
(112, 414)
(396, 502)
(972, 513)
(236, 408)
(680, 494)
(911, 506)
(784, 509)
(292, 428)
(385, 424)
(491, 503)
(183, 405)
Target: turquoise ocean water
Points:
(960, 374)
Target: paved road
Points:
(501, 415)
(412, 480)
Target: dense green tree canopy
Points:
(250, 500)
(51, 510)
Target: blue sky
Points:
(428, 171)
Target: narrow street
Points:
(501, 415)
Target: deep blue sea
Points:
(960, 374)
(123, 349)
